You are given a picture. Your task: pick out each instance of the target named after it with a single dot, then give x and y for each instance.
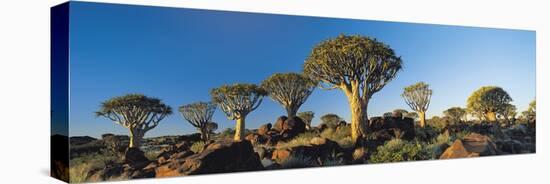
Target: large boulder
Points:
(264, 129)
(319, 149)
(293, 126)
(403, 127)
(135, 157)
(218, 157)
(472, 145)
(278, 126)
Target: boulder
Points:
(278, 126)
(319, 149)
(472, 145)
(218, 157)
(135, 158)
(391, 125)
(264, 129)
(293, 126)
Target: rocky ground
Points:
(288, 144)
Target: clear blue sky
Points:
(178, 55)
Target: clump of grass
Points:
(302, 139)
(81, 166)
(198, 146)
(341, 135)
(152, 155)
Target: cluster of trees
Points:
(358, 66)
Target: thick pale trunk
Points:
(491, 116)
(359, 117)
(239, 129)
(422, 118)
(135, 138)
(204, 134)
(291, 112)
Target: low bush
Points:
(81, 166)
(198, 146)
(397, 150)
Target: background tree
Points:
(530, 114)
(307, 117)
(237, 101)
(199, 115)
(509, 113)
(290, 90)
(136, 112)
(418, 97)
(359, 66)
(455, 114)
(387, 115)
(412, 115)
(331, 120)
(400, 113)
(489, 101)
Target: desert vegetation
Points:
(359, 66)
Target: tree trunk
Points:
(359, 119)
(204, 134)
(136, 135)
(422, 118)
(291, 112)
(239, 129)
(491, 116)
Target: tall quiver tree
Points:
(237, 101)
(136, 112)
(290, 90)
(489, 101)
(418, 97)
(359, 66)
(199, 115)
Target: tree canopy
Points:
(417, 97)
(238, 100)
(488, 101)
(290, 90)
(136, 112)
(358, 65)
(455, 113)
(199, 115)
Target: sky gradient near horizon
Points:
(178, 55)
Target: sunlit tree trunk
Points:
(359, 119)
(136, 135)
(422, 118)
(491, 116)
(239, 129)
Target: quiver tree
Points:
(136, 112)
(531, 113)
(488, 101)
(359, 66)
(307, 117)
(455, 114)
(290, 90)
(418, 97)
(509, 113)
(199, 115)
(237, 101)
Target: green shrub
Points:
(198, 146)
(434, 149)
(397, 150)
